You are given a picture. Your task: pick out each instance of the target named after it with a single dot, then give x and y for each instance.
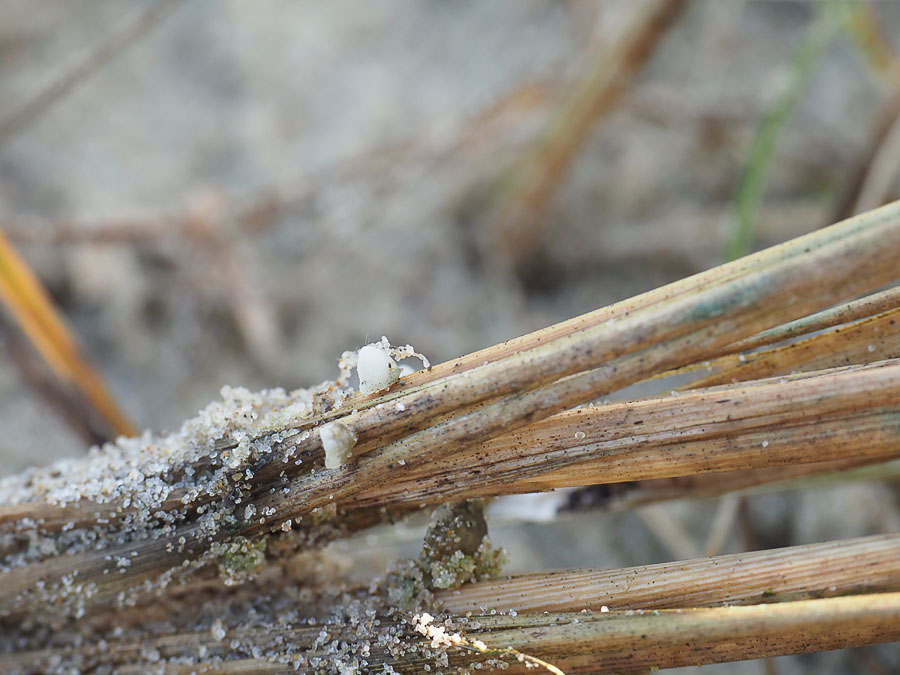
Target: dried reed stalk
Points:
(863, 341)
(851, 566)
(620, 641)
(627, 641)
(620, 496)
(826, 416)
(854, 310)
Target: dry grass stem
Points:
(863, 565)
(615, 641)
(609, 349)
(864, 341)
(620, 496)
(745, 269)
(833, 415)
(854, 310)
(631, 641)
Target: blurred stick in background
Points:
(68, 79)
(514, 226)
(34, 311)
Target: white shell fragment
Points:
(377, 370)
(337, 440)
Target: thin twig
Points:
(631, 494)
(36, 314)
(83, 67)
(514, 223)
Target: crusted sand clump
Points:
(152, 483)
(456, 550)
(180, 493)
(135, 515)
(148, 469)
(145, 487)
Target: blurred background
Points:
(234, 193)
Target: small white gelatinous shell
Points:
(338, 440)
(377, 370)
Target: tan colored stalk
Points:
(620, 496)
(831, 439)
(627, 642)
(28, 301)
(702, 419)
(862, 565)
(852, 311)
(870, 339)
(831, 415)
(617, 641)
(722, 274)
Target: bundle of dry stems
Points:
(199, 551)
